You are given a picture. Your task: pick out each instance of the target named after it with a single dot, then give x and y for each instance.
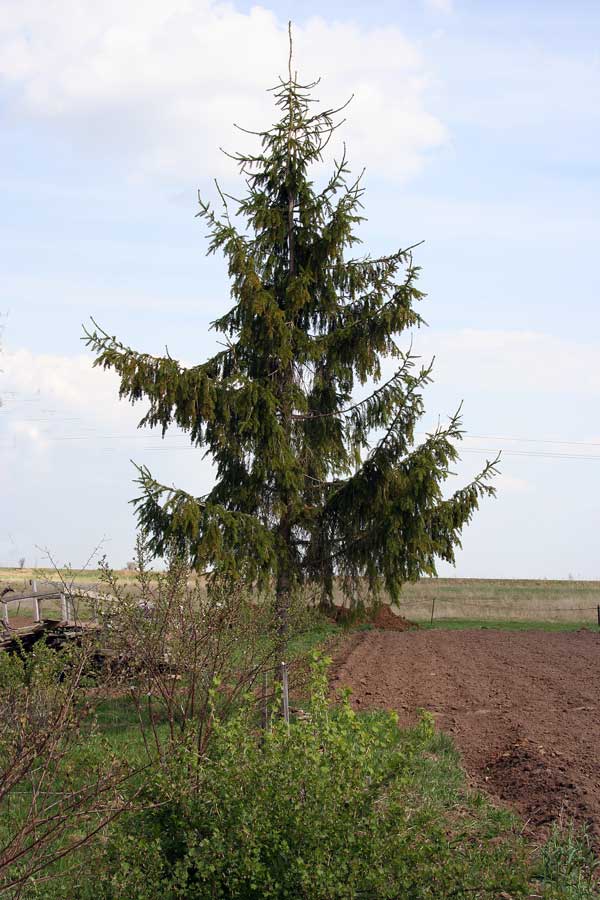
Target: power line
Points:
(490, 437)
(493, 437)
(534, 454)
(183, 444)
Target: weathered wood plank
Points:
(55, 594)
(30, 595)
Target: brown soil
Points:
(385, 618)
(382, 617)
(522, 708)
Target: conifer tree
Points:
(313, 483)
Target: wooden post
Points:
(265, 702)
(36, 603)
(64, 613)
(432, 610)
(285, 697)
(599, 616)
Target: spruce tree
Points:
(314, 484)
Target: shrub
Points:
(56, 790)
(172, 637)
(171, 658)
(321, 809)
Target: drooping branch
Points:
(202, 400)
(206, 533)
(389, 522)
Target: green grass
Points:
(504, 625)
(115, 714)
(325, 631)
(313, 637)
(566, 868)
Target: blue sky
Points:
(479, 127)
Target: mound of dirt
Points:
(382, 618)
(536, 781)
(389, 621)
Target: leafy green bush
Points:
(323, 809)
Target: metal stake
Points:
(285, 693)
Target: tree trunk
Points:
(283, 588)
(327, 606)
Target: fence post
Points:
(285, 697)
(599, 616)
(432, 610)
(5, 614)
(36, 602)
(64, 613)
(265, 702)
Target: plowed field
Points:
(523, 708)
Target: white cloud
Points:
(162, 80)
(66, 442)
(61, 403)
(444, 6)
(505, 361)
(526, 84)
(24, 451)
(59, 389)
(57, 404)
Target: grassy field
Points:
(493, 601)
(19, 579)
(454, 602)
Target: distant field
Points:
(452, 599)
(20, 580)
(497, 600)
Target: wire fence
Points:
(440, 608)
